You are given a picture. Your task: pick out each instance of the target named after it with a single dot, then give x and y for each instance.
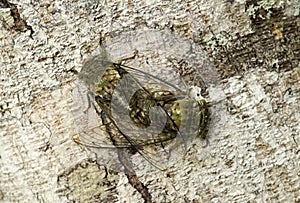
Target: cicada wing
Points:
(193, 119)
(120, 111)
(90, 130)
(93, 69)
(152, 135)
(126, 89)
(148, 80)
(95, 131)
(117, 109)
(94, 138)
(160, 154)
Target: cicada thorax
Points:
(146, 98)
(107, 84)
(140, 105)
(191, 117)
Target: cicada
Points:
(136, 111)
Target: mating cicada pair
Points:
(138, 111)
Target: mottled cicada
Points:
(135, 111)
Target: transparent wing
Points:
(114, 89)
(156, 157)
(96, 132)
(90, 127)
(160, 130)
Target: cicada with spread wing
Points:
(135, 111)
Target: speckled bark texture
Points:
(243, 56)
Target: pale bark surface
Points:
(245, 56)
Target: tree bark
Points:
(241, 56)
